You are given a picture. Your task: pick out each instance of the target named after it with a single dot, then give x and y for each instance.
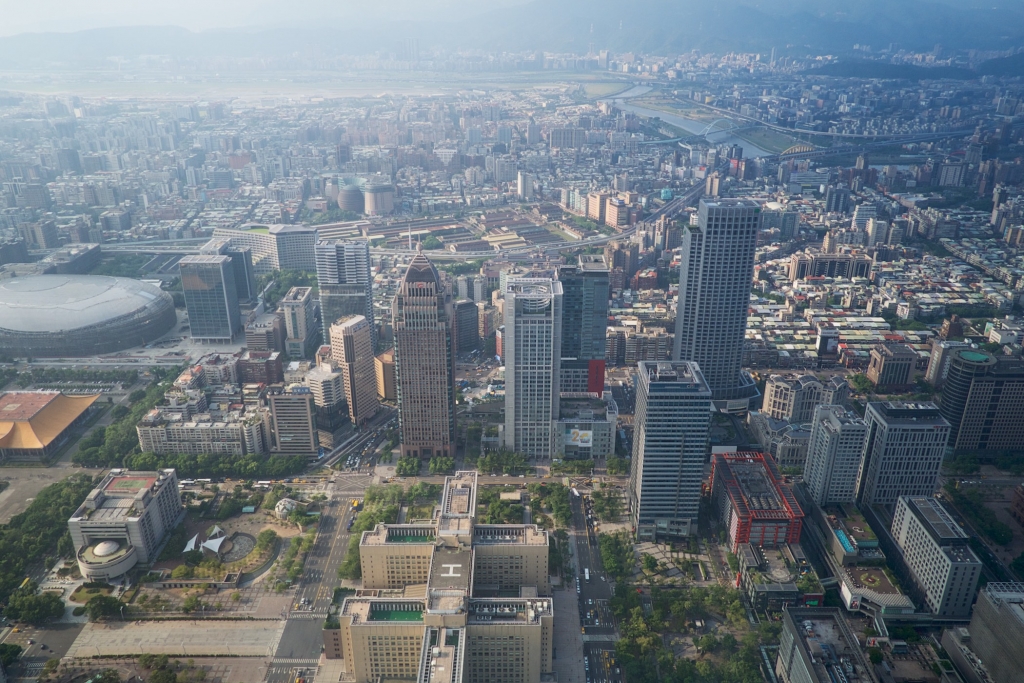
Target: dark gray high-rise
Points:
(211, 299)
(241, 266)
(983, 400)
(345, 283)
(714, 294)
(584, 321)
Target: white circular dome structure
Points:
(80, 315)
(106, 548)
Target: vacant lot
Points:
(25, 483)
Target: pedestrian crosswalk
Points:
(296, 662)
(316, 614)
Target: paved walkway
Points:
(180, 638)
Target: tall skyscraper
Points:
(301, 336)
(328, 388)
(584, 321)
(835, 448)
(532, 345)
(210, 297)
(293, 415)
(241, 266)
(670, 444)
(466, 326)
(424, 366)
(837, 199)
(346, 286)
(903, 451)
(714, 293)
(352, 352)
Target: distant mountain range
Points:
(643, 26)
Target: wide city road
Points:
(599, 632)
(298, 652)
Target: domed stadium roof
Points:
(80, 315)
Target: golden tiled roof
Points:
(33, 419)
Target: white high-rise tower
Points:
(532, 346)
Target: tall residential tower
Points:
(714, 294)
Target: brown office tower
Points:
(422, 315)
(352, 351)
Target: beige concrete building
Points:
(384, 364)
(352, 352)
(892, 366)
(435, 601)
(794, 397)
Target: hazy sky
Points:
(21, 16)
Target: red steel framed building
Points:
(752, 501)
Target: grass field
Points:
(605, 89)
(768, 139)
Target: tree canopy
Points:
(40, 531)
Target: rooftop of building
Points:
(939, 524)
(508, 610)
(871, 578)
(509, 534)
(204, 259)
(593, 263)
(459, 496)
(961, 554)
(754, 484)
(33, 419)
(923, 413)
(297, 294)
(445, 601)
(827, 643)
(443, 655)
(366, 610)
(721, 202)
(120, 491)
(451, 569)
(766, 566)
(1008, 594)
(454, 526)
(852, 522)
(421, 270)
(127, 485)
(674, 372)
(582, 407)
(399, 533)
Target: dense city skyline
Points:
(512, 342)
